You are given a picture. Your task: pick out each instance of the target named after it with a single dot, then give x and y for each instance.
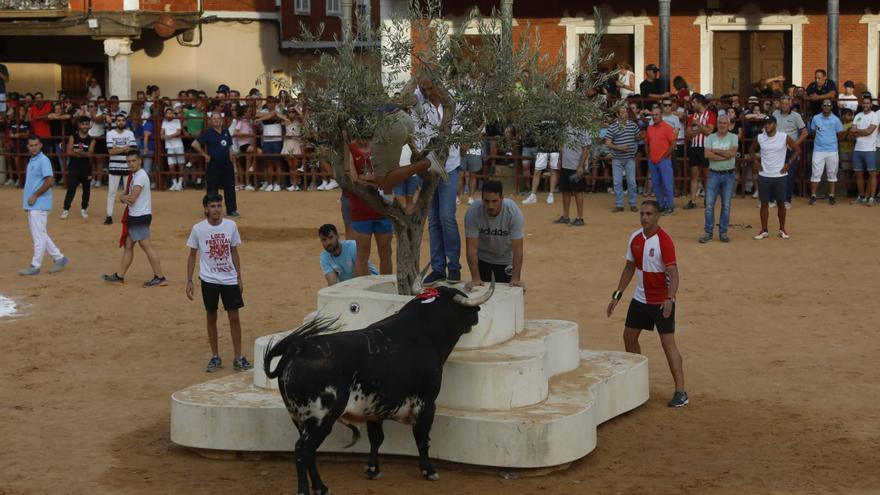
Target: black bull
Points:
(391, 369)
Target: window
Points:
(334, 7)
(362, 18)
(362, 9)
(302, 7)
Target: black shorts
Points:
(567, 186)
(772, 189)
(187, 143)
(697, 157)
(646, 316)
(101, 145)
(212, 293)
(503, 273)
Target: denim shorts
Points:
(378, 226)
(864, 160)
(272, 147)
(472, 164)
(409, 186)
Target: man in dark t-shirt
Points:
(652, 86)
(80, 148)
(215, 145)
(822, 89)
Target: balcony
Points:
(33, 8)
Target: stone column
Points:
(118, 51)
(347, 18)
(833, 42)
(665, 66)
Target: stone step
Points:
(234, 415)
(364, 300)
(507, 375)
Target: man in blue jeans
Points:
(443, 227)
(720, 150)
(660, 140)
(622, 140)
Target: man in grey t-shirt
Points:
(791, 123)
(494, 228)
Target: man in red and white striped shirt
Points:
(650, 255)
(700, 124)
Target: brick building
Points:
(54, 44)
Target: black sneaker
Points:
(690, 205)
(680, 399)
(578, 222)
(108, 221)
(241, 364)
(832, 200)
(234, 214)
(433, 278)
(812, 200)
(112, 278)
(562, 220)
(156, 282)
(454, 276)
(214, 364)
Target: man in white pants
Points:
(827, 128)
(37, 202)
(120, 141)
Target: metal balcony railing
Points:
(33, 5)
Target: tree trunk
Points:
(409, 228)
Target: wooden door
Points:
(74, 79)
(731, 63)
(621, 47)
(768, 55)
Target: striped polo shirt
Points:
(651, 255)
(624, 135)
(708, 117)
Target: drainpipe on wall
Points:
(833, 39)
(664, 43)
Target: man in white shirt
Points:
(774, 163)
(120, 141)
(136, 224)
(864, 157)
(172, 130)
(215, 241)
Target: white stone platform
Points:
(516, 394)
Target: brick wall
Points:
(853, 52)
(239, 5)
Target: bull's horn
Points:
(472, 303)
(417, 283)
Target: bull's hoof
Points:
(431, 476)
(372, 473)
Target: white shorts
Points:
(542, 159)
(175, 155)
(827, 161)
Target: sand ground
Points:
(777, 338)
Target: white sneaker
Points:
(762, 234)
(84, 214)
(457, 201)
(65, 214)
(8, 182)
(97, 185)
(323, 186)
(783, 234)
(532, 199)
(331, 185)
(470, 201)
(198, 181)
(755, 194)
(265, 187)
(550, 199)
(788, 205)
(773, 204)
(189, 165)
(292, 188)
(249, 188)
(276, 188)
(300, 169)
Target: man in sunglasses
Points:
(827, 129)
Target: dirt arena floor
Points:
(777, 336)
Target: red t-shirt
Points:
(40, 127)
(360, 210)
(651, 255)
(659, 139)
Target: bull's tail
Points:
(355, 432)
(289, 346)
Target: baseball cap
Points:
(753, 99)
(709, 96)
(849, 84)
(652, 68)
(769, 120)
(223, 88)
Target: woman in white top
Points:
(292, 149)
(93, 89)
(243, 140)
(626, 80)
(848, 99)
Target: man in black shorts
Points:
(216, 240)
(575, 156)
(494, 229)
(651, 253)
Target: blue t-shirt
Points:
(343, 264)
(39, 167)
(146, 126)
(826, 130)
(216, 145)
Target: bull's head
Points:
(460, 297)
